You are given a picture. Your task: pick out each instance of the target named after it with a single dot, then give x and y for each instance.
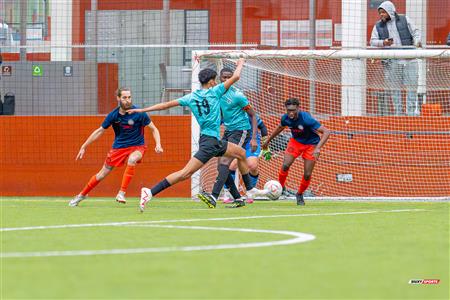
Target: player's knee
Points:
(132, 162)
(285, 167)
(100, 176)
(241, 155)
(252, 166)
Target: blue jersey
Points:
(259, 122)
(128, 129)
(205, 105)
(303, 128)
(232, 104)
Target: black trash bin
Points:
(9, 104)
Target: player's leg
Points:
(222, 175)
(191, 167)
(309, 163)
(92, 183)
(208, 148)
(239, 153)
(236, 137)
(230, 190)
(252, 162)
(128, 174)
(291, 153)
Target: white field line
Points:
(208, 219)
(298, 237)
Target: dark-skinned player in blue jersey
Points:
(305, 141)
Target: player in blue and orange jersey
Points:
(205, 106)
(305, 141)
(128, 147)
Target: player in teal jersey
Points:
(236, 112)
(204, 104)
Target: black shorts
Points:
(210, 147)
(238, 137)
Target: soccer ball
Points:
(273, 189)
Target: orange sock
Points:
(282, 175)
(90, 185)
(127, 176)
(303, 185)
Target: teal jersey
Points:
(205, 106)
(233, 113)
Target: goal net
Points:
(388, 112)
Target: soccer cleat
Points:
(76, 200)
(208, 199)
(254, 192)
(287, 194)
(146, 195)
(249, 200)
(300, 200)
(237, 203)
(227, 200)
(121, 197)
(227, 197)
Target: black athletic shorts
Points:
(210, 147)
(238, 137)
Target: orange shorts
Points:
(118, 157)
(296, 149)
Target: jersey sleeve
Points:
(184, 101)
(242, 101)
(219, 90)
(310, 121)
(107, 121)
(145, 119)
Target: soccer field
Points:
(179, 248)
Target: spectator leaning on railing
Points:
(395, 30)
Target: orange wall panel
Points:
(37, 156)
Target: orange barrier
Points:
(37, 156)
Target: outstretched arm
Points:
(325, 135)
(276, 132)
(156, 137)
(236, 75)
(159, 106)
(94, 136)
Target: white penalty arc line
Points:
(298, 237)
(206, 219)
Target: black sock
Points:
(254, 179)
(161, 186)
(247, 181)
(232, 187)
(220, 180)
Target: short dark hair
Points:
(292, 101)
(226, 70)
(205, 75)
(122, 89)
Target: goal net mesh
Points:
(388, 117)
